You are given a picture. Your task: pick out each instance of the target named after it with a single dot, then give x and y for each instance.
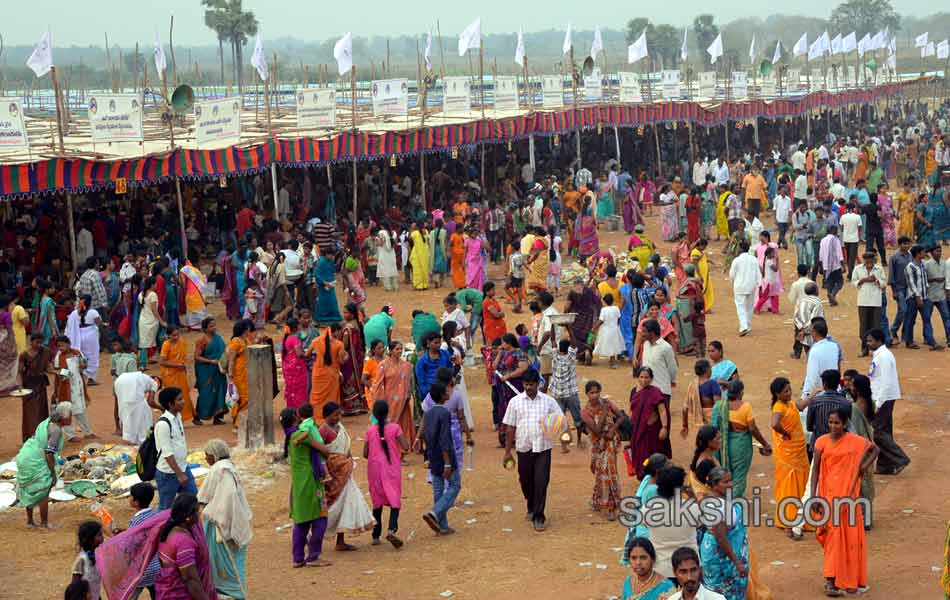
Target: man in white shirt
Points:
(524, 418)
(798, 158)
(850, 224)
(172, 475)
(722, 173)
(885, 390)
(801, 186)
(870, 280)
(283, 201)
(659, 357)
(783, 214)
(293, 269)
(548, 342)
(135, 399)
(745, 276)
(527, 175)
(699, 173)
(84, 245)
(689, 572)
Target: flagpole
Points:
(425, 93)
(574, 74)
(481, 87)
(353, 109)
(728, 96)
(59, 118)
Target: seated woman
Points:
(640, 247)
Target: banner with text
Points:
(116, 117)
(457, 97)
(594, 86)
(707, 84)
(670, 81)
(506, 93)
(740, 85)
(767, 87)
(218, 121)
(630, 87)
(12, 127)
(390, 97)
(552, 91)
(818, 80)
(316, 108)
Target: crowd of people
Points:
(302, 283)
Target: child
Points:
(698, 319)
(122, 361)
(354, 282)
(515, 287)
(554, 264)
(443, 462)
(602, 418)
(140, 499)
(454, 313)
(383, 449)
(84, 567)
(535, 308)
(71, 385)
(372, 255)
(700, 397)
(609, 340)
(77, 590)
(254, 304)
(563, 385)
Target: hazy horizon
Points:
(129, 22)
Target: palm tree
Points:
(215, 20)
(240, 25)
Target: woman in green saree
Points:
(732, 416)
(211, 383)
(36, 463)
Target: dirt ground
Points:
(496, 555)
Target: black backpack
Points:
(147, 460)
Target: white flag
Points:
(778, 53)
(814, 51)
(892, 45)
(428, 54)
(519, 49)
(943, 49)
(849, 43)
(921, 40)
(684, 48)
(638, 49)
(752, 50)
(892, 62)
(568, 42)
(928, 50)
(343, 53)
(879, 41)
(864, 44)
(597, 45)
(715, 49)
(801, 46)
(41, 61)
(471, 37)
(160, 63)
(258, 60)
(825, 42)
(836, 45)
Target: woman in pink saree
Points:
(587, 241)
(888, 223)
(352, 396)
(229, 293)
(644, 191)
(178, 538)
(474, 260)
(681, 253)
(632, 216)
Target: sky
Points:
(128, 21)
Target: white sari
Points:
(349, 513)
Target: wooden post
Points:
(267, 102)
(577, 133)
(181, 220)
(273, 177)
(59, 118)
(171, 47)
(257, 427)
(72, 231)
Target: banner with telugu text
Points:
(316, 108)
(506, 93)
(218, 121)
(457, 95)
(390, 97)
(552, 91)
(13, 135)
(630, 87)
(116, 118)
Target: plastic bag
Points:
(231, 397)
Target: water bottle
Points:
(470, 458)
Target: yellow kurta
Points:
(172, 377)
(419, 259)
(906, 210)
(702, 272)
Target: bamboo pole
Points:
(353, 95)
(171, 47)
(181, 220)
(72, 231)
(59, 119)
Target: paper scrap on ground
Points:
(447, 594)
(585, 564)
(505, 508)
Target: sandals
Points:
(833, 591)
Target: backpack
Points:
(146, 462)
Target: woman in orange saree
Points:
(840, 460)
(457, 259)
(393, 384)
(328, 359)
(789, 450)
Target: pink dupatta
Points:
(122, 559)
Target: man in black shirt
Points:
(875, 231)
(823, 404)
(443, 463)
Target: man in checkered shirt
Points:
(524, 417)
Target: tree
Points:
(705, 30)
(636, 26)
(865, 16)
(215, 20)
(240, 25)
(666, 42)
